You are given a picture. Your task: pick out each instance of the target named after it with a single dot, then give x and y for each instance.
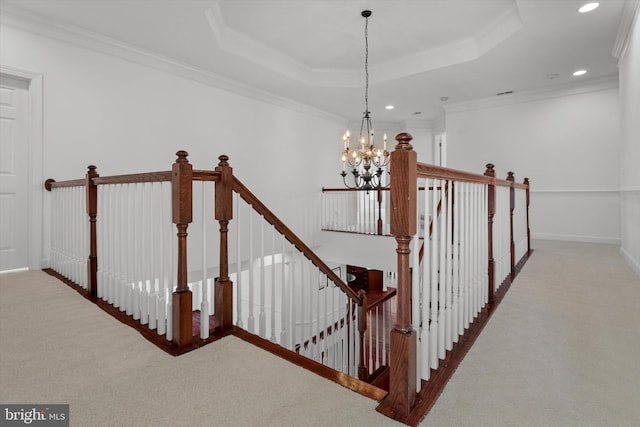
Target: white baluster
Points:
(433, 325)
(442, 273)
(456, 263)
(238, 287)
(204, 306)
(285, 305)
(449, 268)
(251, 320)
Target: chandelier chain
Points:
(366, 65)
(367, 161)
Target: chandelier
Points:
(365, 155)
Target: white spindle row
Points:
(280, 295)
(355, 211)
(452, 275)
(520, 223)
(379, 326)
(502, 235)
(137, 251)
(70, 233)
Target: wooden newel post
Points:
(362, 329)
(181, 188)
(512, 206)
(92, 211)
(526, 182)
(490, 172)
(402, 374)
(223, 213)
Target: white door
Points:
(14, 153)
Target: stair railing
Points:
(477, 230)
(286, 294)
(115, 237)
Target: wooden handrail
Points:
(52, 183)
(502, 182)
(272, 219)
(133, 178)
(438, 172)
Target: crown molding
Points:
(629, 15)
(593, 85)
(18, 18)
(462, 50)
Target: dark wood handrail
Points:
(133, 178)
(51, 183)
(502, 182)
(438, 172)
(272, 219)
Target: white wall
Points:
(629, 66)
(125, 117)
(566, 142)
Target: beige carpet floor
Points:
(563, 349)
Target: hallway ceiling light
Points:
(389, 107)
(579, 73)
(365, 154)
(588, 7)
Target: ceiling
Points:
(422, 53)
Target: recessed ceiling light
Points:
(588, 7)
(579, 73)
(389, 107)
(552, 76)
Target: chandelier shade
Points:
(365, 155)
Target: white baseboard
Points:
(576, 238)
(633, 263)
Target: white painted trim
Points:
(586, 190)
(18, 18)
(594, 85)
(629, 15)
(635, 266)
(576, 238)
(35, 173)
(15, 270)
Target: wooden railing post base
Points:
(402, 375)
(182, 318)
(223, 290)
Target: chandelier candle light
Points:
(365, 154)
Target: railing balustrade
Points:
(69, 231)
(475, 229)
(356, 211)
(147, 245)
(284, 293)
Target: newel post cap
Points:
(223, 160)
(490, 171)
(182, 157)
(404, 140)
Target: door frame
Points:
(35, 236)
